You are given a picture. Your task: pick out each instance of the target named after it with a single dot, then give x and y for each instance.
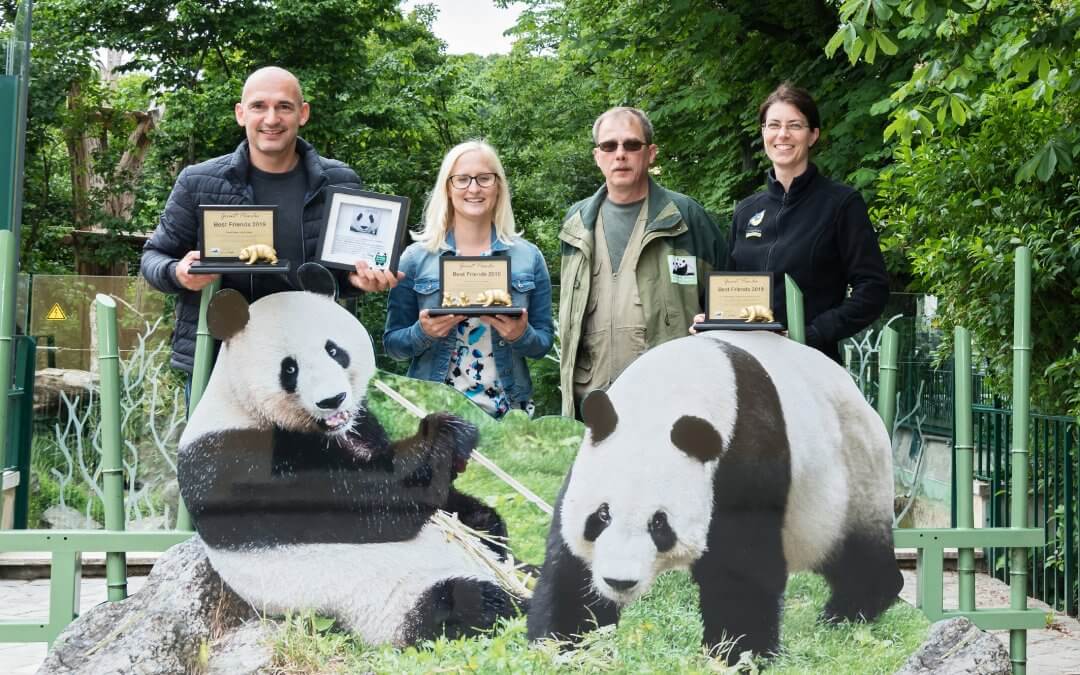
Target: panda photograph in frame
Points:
(475, 286)
(364, 226)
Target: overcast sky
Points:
(474, 26)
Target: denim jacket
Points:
(530, 287)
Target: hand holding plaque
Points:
(475, 286)
(739, 301)
(237, 239)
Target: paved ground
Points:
(29, 600)
(1055, 651)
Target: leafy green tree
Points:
(984, 127)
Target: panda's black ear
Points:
(599, 415)
(314, 278)
(697, 438)
(227, 314)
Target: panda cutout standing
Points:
(740, 457)
(302, 501)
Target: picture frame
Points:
(735, 300)
(226, 230)
(475, 286)
(361, 225)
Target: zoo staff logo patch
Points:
(754, 226)
(683, 269)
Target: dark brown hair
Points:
(792, 95)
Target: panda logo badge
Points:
(683, 269)
(754, 224)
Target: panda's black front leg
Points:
(564, 604)
(479, 516)
(741, 580)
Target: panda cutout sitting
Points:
(302, 501)
(741, 457)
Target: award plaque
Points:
(739, 301)
(237, 239)
(362, 226)
(475, 286)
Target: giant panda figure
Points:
(740, 456)
(302, 501)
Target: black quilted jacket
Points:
(224, 180)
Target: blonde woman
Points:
(469, 214)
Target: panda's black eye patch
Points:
(597, 522)
(337, 353)
(290, 373)
(660, 531)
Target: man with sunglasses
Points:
(635, 261)
(273, 165)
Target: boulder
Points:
(50, 382)
(958, 647)
(58, 517)
(167, 627)
(246, 651)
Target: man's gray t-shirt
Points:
(619, 220)
(286, 191)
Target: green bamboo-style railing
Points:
(1018, 537)
(796, 324)
(965, 465)
(112, 467)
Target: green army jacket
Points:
(672, 290)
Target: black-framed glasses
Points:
(462, 181)
(632, 145)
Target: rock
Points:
(246, 651)
(164, 628)
(147, 524)
(58, 517)
(958, 647)
(49, 382)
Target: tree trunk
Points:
(79, 157)
(129, 169)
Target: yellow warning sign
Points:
(56, 313)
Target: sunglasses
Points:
(632, 145)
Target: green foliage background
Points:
(956, 118)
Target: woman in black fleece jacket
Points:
(808, 226)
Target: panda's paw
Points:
(446, 432)
(460, 607)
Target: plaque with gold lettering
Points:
(475, 285)
(237, 239)
(739, 301)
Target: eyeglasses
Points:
(632, 145)
(462, 181)
(793, 127)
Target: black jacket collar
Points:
(798, 186)
(240, 166)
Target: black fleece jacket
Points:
(820, 234)
(224, 180)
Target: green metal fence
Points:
(20, 430)
(1053, 570)
(67, 546)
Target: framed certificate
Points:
(739, 301)
(362, 226)
(237, 239)
(475, 285)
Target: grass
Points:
(660, 633)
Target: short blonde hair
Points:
(438, 213)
